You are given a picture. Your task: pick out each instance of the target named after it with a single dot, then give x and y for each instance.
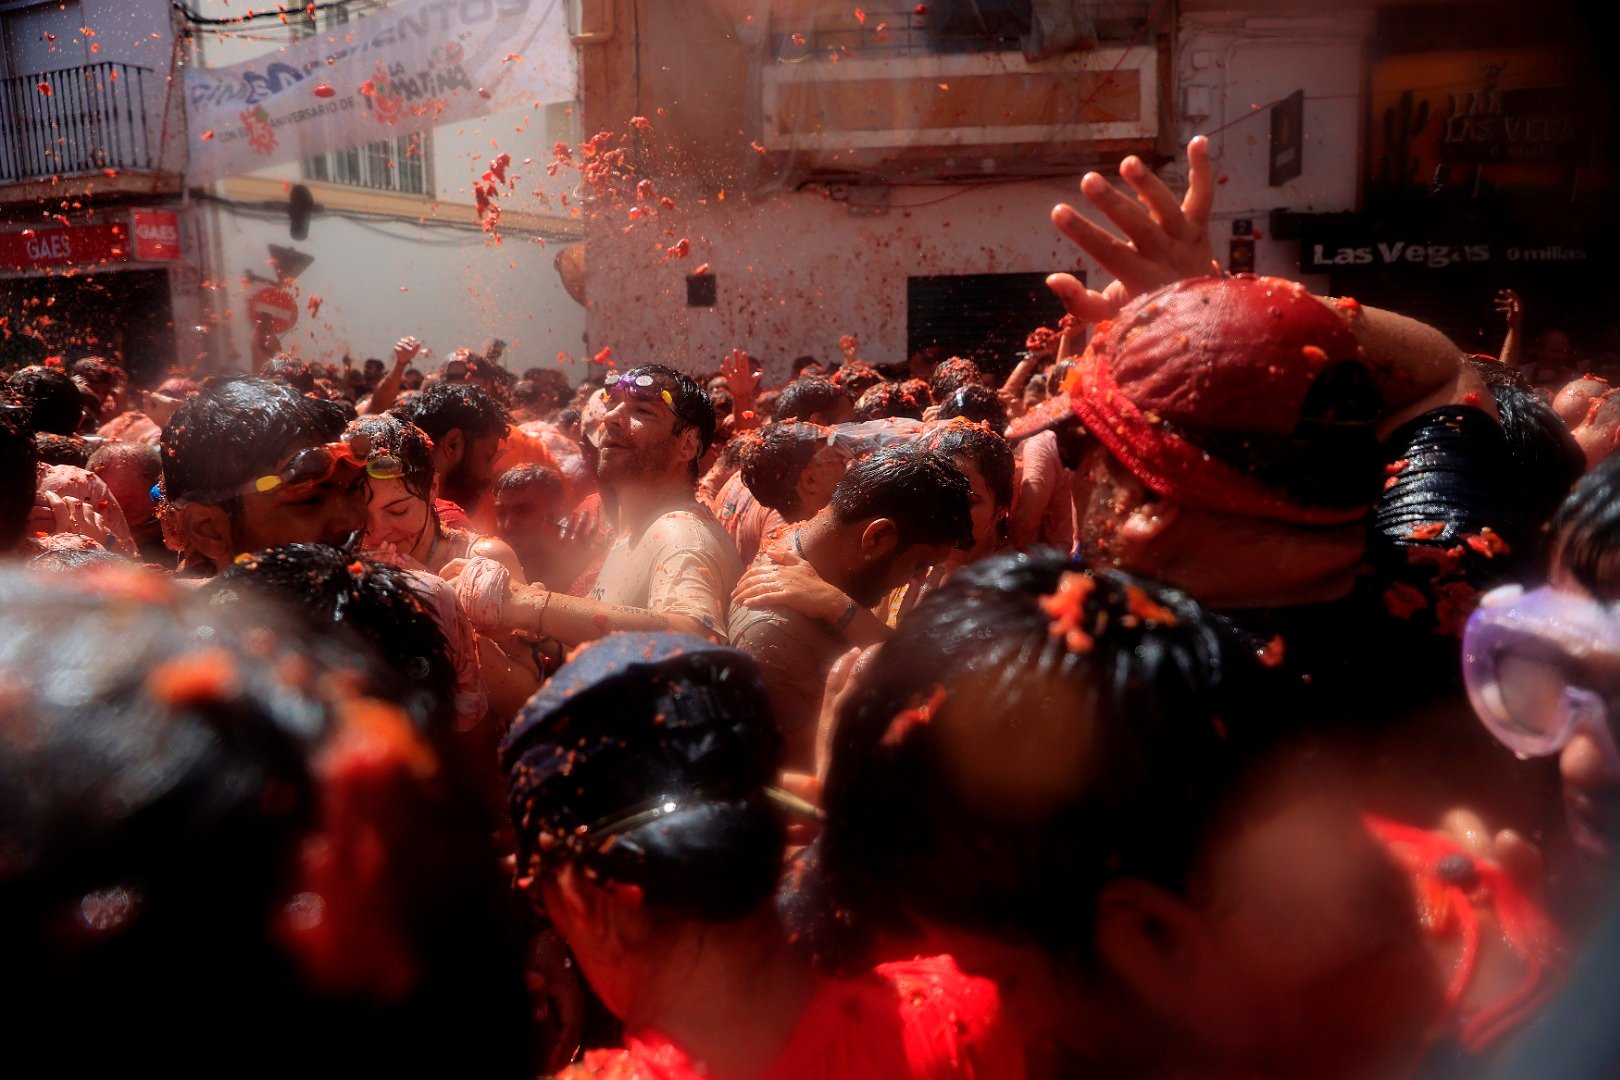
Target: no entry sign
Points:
(277, 306)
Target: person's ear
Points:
(1146, 523)
(612, 913)
(1151, 940)
(814, 485)
(206, 529)
(691, 446)
(566, 901)
(879, 539)
(452, 446)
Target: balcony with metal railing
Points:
(77, 121)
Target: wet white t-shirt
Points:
(684, 563)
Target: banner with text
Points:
(408, 68)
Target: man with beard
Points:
(894, 514)
(467, 427)
(672, 565)
(250, 464)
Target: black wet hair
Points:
(96, 369)
(889, 399)
(979, 404)
(776, 459)
(62, 449)
(551, 384)
(378, 605)
(803, 398)
(1157, 708)
(1446, 484)
(985, 447)
(921, 491)
(1545, 456)
(802, 362)
(403, 440)
(856, 379)
(454, 406)
(953, 374)
(646, 760)
(55, 405)
(296, 373)
(524, 393)
(518, 477)
(18, 475)
(163, 765)
(237, 430)
(1585, 533)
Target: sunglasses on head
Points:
(642, 387)
(309, 468)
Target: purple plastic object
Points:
(1541, 665)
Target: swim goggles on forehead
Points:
(314, 466)
(642, 387)
(1541, 666)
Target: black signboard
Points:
(1287, 138)
(1322, 253)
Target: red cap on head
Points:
(1205, 363)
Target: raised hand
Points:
(405, 350)
(742, 375)
(1165, 241)
(1509, 304)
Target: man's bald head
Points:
(1599, 432)
(1574, 400)
(130, 470)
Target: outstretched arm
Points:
(1165, 241)
(742, 379)
(1509, 304)
(405, 349)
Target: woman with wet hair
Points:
(228, 847)
(401, 517)
(403, 527)
(651, 833)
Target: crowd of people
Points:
(1227, 685)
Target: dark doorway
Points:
(985, 317)
(123, 314)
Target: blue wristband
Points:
(846, 618)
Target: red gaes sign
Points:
(64, 245)
(157, 235)
(276, 305)
(148, 236)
